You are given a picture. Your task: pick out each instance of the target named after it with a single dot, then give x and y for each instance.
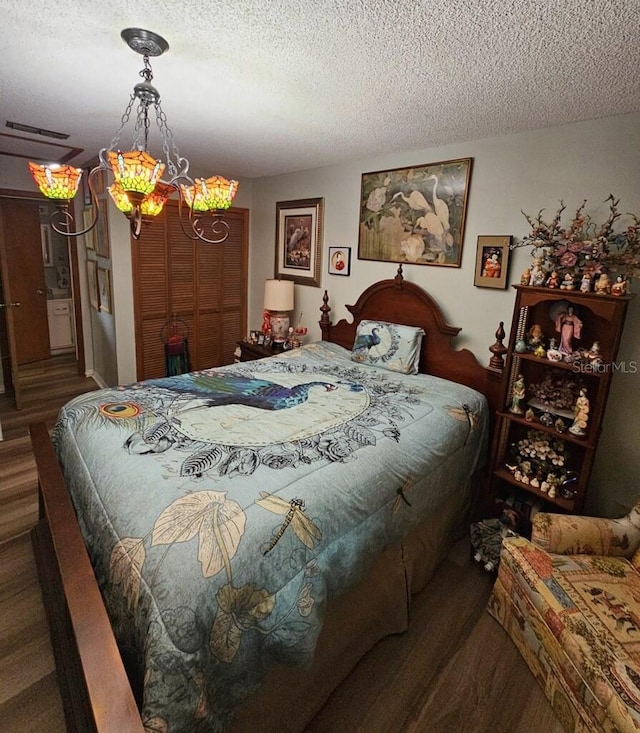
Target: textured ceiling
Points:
(261, 87)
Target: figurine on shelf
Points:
(535, 336)
(603, 284)
(593, 356)
(517, 395)
(581, 414)
(553, 281)
(568, 282)
(619, 287)
(529, 415)
(553, 352)
(525, 278)
(537, 273)
(569, 326)
(552, 481)
(585, 283)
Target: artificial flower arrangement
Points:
(583, 254)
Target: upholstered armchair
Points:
(564, 534)
(570, 601)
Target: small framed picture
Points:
(92, 282)
(89, 241)
(492, 261)
(104, 289)
(339, 260)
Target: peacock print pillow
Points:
(388, 345)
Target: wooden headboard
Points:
(398, 301)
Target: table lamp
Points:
(278, 301)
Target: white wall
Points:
(527, 171)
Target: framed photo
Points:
(299, 227)
(45, 241)
(92, 282)
(102, 232)
(492, 261)
(104, 289)
(339, 260)
(89, 241)
(415, 214)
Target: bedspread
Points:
(222, 509)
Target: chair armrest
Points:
(567, 534)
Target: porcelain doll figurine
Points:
(581, 414)
(569, 326)
(553, 281)
(517, 395)
(619, 287)
(585, 283)
(537, 273)
(603, 284)
(567, 282)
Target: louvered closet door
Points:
(204, 285)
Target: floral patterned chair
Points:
(570, 601)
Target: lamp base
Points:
(279, 324)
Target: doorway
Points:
(40, 272)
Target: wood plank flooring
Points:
(453, 671)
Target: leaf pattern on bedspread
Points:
(125, 565)
(238, 610)
(218, 522)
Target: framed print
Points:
(492, 260)
(89, 241)
(299, 240)
(104, 289)
(45, 241)
(92, 283)
(102, 233)
(339, 260)
(415, 214)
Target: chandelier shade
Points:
(56, 181)
(213, 194)
(151, 205)
(138, 189)
(136, 171)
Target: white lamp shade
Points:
(278, 295)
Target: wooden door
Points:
(202, 286)
(23, 279)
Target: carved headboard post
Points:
(325, 322)
(399, 278)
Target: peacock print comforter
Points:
(222, 509)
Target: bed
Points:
(221, 548)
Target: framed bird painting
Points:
(415, 214)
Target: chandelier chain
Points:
(147, 72)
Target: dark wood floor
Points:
(454, 670)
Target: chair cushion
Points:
(591, 606)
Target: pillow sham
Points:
(391, 346)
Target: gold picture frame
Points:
(299, 230)
(104, 289)
(89, 240)
(492, 261)
(92, 284)
(415, 214)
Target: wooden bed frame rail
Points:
(86, 653)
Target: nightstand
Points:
(249, 351)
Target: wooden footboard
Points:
(93, 683)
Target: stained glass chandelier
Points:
(138, 189)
